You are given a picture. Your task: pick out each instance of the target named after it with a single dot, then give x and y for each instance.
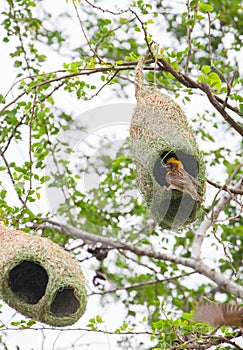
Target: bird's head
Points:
(173, 164)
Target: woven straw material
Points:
(160, 130)
(40, 279)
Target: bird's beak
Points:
(164, 165)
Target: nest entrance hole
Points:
(188, 161)
(64, 303)
(28, 281)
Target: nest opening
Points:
(188, 161)
(28, 281)
(64, 303)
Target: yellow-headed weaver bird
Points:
(220, 314)
(180, 180)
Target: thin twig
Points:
(200, 233)
(225, 187)
(213, 220)
(229, 88)
(12, 134)
(30, 154)
(223, 78)
(142, 284)
(84, 33)
(190, 29)
(225, 251)
(103, 86)
(107, 10)
(13, 181)
(128, 332)
(18, 31)
(83, 71)
(148, 43)
(211, 51)
(220, 189)
(109, 32)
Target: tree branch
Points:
(225, 187)
(221, 109)
(217, 102)
(197, 265)
(83, 71)
(189, 82)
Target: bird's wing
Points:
(233, 315)
(211, 313)
(220, 314)
(178, 178)
(195, 181)
(186, 181)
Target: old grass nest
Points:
(40, 279)
(159, 130)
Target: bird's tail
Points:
(197, 196)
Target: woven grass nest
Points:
(159, 130)
(40, 279)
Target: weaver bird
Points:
(180, 180)
(220, 314)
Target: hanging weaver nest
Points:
(40, 279)
(159, 130)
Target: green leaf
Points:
(31, 323)
(199, 17)
(186, 316)
(214, 80)
(204, 8)
(99, 319)
(123, 20)
(44, 179)
(137, 29)
(206, 69)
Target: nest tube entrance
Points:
(170, 209)
(173, 209)
(40, 279)
(28, 281)
(64, 302)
